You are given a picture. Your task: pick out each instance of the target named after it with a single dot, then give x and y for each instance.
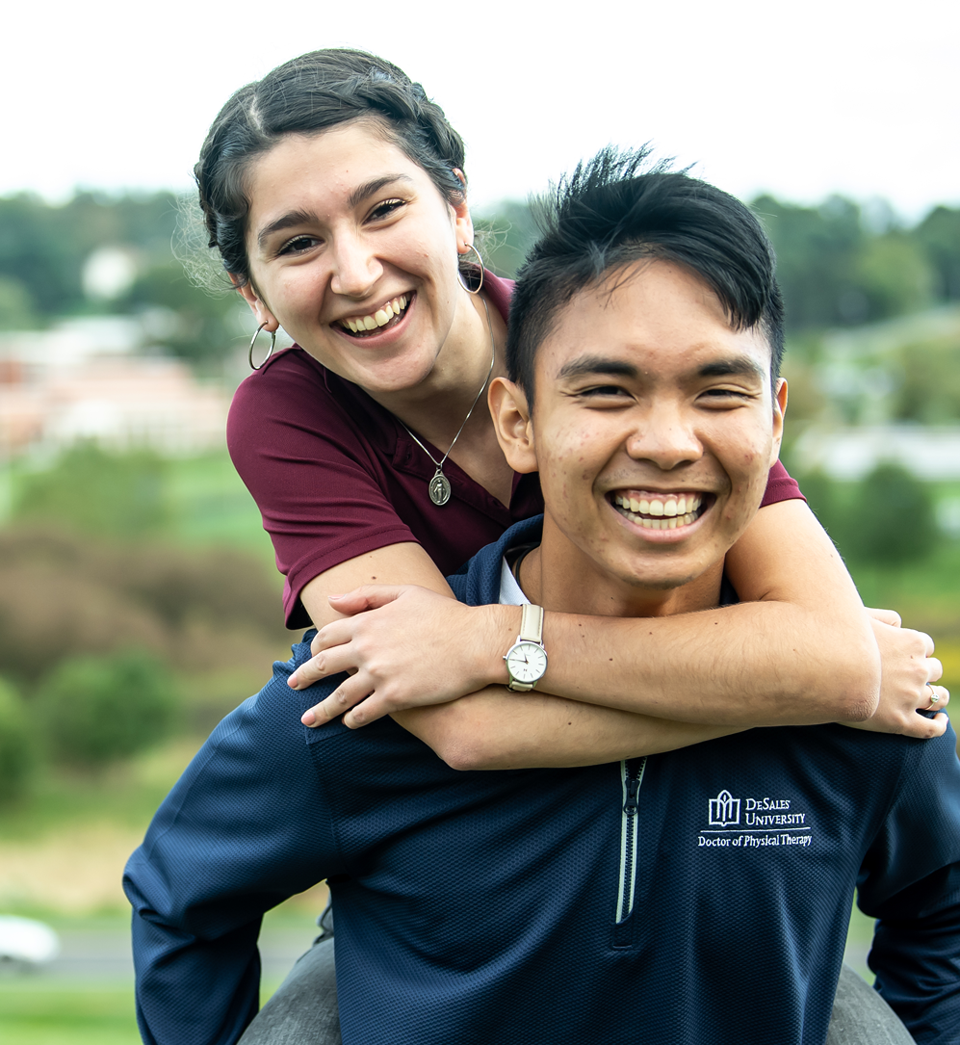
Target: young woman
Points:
(334, 191)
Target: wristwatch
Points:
(527, 659)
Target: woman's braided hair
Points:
(305, 96)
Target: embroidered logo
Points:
(767, 822)
(724, 810)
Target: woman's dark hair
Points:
(305, 96)
(618, 209)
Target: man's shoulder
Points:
(477, 582)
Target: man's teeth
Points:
(380, 318)
(660, 513)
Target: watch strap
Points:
(531, 624)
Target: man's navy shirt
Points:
(699, 897)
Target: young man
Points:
(699, 896)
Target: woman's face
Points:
(354, 252)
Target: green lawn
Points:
(36, 1011)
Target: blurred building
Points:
(929, 452)
(91, 379)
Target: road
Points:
(104, 953)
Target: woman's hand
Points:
(405, 646)
(909, 670)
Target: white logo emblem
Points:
(724, 810)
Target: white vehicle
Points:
(25, 943)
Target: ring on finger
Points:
(934, 697)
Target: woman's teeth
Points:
(380, 318)
(660, 513)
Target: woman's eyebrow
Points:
(291, 218)
(370, 188)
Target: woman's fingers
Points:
(890, 617)
(342, 699)
(907, 683)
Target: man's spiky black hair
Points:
(620, 208)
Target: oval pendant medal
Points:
(439, 489)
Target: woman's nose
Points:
(355, 267)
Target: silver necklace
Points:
(439, 486)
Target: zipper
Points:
(631, 775)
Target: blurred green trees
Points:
(18, 746)
(92, 491)
(93, 710)
(45, 250)
(111, 632)
(885, 519)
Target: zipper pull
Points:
(631, 805)
(633, 788)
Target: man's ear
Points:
(511, 420)
(779, 410)
(264, 316)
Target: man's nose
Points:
(665, 435)
(356, 267)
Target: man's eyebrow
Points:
(735, 366)
(304, 217)
(600, 365)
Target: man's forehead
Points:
(651, 315)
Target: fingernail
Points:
(308, 718)
(333, 597)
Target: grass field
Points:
(31, 1013)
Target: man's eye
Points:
(720, 395)
(602, 391)
(385, 209)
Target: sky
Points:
(800, 100)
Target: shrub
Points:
(18, 749)
(97, 709)
(895, 517)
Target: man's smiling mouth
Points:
(387, 315)
(660, 511)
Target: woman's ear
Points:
(463, 223)
(779, 409)
(514, 428)
(265, 318)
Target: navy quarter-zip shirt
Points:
(699, 897)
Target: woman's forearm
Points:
(801, 651)
(497, 729)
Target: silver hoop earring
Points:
(460, 271)
(273, 345)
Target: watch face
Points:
(527, 662)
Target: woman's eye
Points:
(297, 245)
(385, 209)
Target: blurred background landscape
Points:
(138, 599)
